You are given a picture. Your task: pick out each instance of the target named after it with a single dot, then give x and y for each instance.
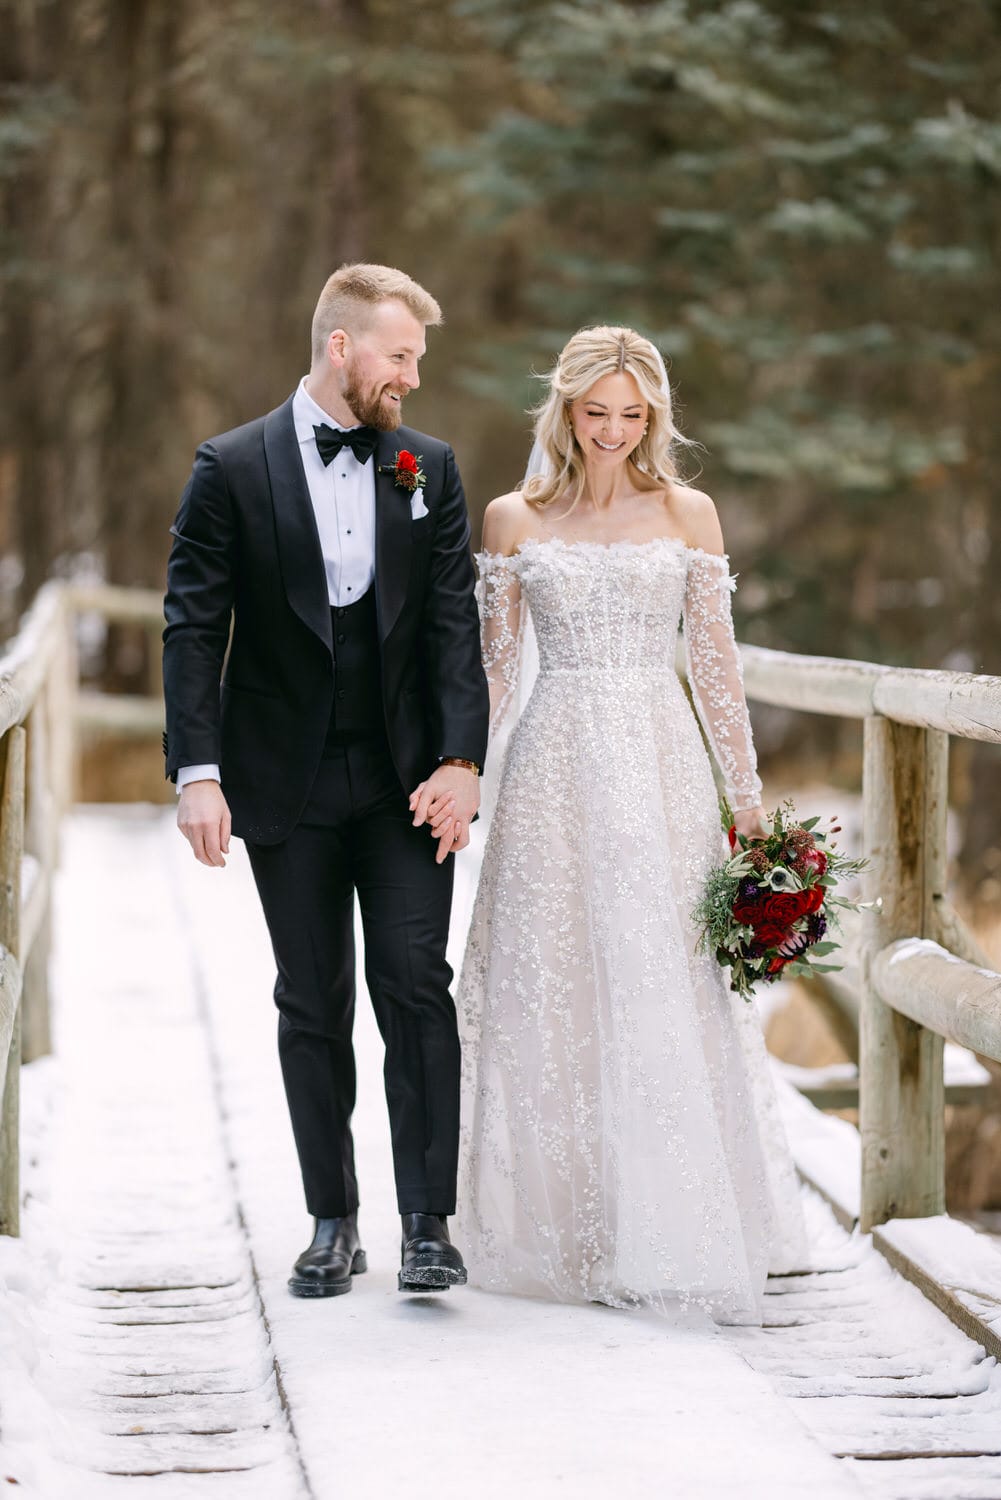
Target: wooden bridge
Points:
(145, 1329)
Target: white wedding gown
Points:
(621, 1140)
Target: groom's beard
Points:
(372, 406)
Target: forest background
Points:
(798, 200)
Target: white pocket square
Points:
(417, 506)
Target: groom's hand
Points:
(203, 817)
(447, 801)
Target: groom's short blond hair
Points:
(354, 291)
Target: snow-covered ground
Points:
(146, 1329)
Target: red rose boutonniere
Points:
(406, 471)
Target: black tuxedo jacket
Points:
(246, 556)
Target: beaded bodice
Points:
(611, 612)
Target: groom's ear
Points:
(338, 345)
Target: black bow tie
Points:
(361, 440)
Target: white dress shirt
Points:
(343, 496)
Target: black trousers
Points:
(356, 834)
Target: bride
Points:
(621, 1139)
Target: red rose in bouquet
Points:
(786, 907)
(747, 910)
(770, 934)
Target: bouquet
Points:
(770, 908)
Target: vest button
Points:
(340, 692)
(341, 639)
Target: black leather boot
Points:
(326, 1267)
(431, 1262)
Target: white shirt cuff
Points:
(196, 773)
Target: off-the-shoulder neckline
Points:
(582, 544)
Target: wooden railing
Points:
(923, 977)
(42, 713)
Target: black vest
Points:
(357, 709)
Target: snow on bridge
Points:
(149, 1347)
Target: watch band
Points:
(454, 760)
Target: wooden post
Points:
(11, 853)
(36, 1020)
(62, 692)
(901, 1089)
(40, 840)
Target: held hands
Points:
(447, 802)
(203, 817)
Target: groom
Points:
(335, 545)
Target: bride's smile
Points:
(609, 422)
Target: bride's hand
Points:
(750, 822)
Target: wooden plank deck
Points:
(164, 1210)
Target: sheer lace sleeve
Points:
(716, 677)
(502, 632)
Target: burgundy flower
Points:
(747, 909)
(811, 860)
(770, 934)
(783, 908)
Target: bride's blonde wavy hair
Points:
(588, 357)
